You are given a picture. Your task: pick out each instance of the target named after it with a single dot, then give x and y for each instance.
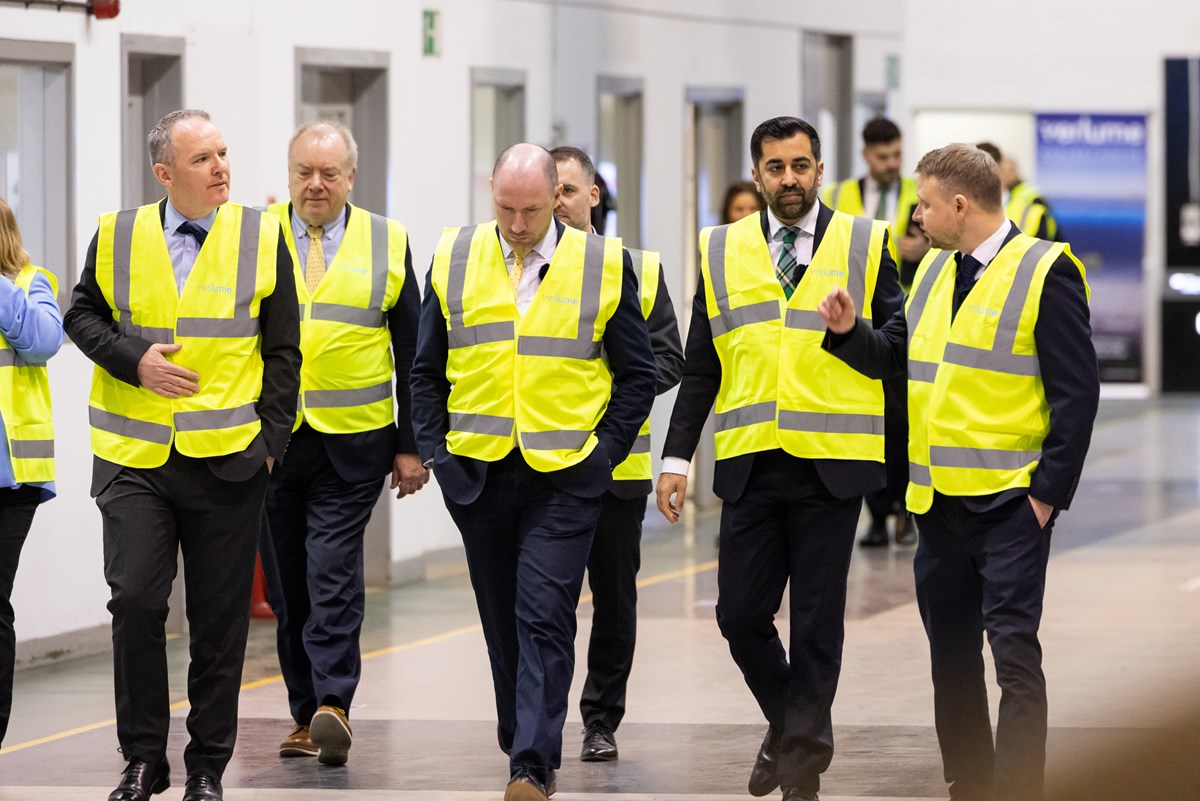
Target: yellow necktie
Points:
(314, 266)
(514, 275)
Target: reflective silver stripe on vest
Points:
(860, 248)
(554, 440)
(32, 448)
(555, 346)
(217, 327)
(641, 444)
(341, 398)
(490, 424)
(922, 371)
(589, 295)
(830, 423)
(1025, 214)
(351, 315)
(1000, 358)
(637, 257)
(10, 358)
(128, 427)
(480, 334)
(241, 325)
(803, 319)
(212, 419)
(746, 416)
(919, 474)
(460, 335)
(728, 319)
(982, 458)
(920, 295)
(379, 261)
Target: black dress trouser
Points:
(16, 516)
(788, 527)
(149, 516)
(613, 566)
(977, 572)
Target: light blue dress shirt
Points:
(331, 239)
(33, 326)
(183, 247)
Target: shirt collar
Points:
(545, 248)
(807, 224)
(988, 249)
(332, 228)
(172, 219)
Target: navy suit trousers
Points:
(527, 544)
(980, 571)
(312, 552)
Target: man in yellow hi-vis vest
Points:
(532, 377)
(799, 440)
(1023, 202)
(616, 548)
(359, 304)
(1002, 394)
(188, 308)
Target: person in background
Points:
(615, 557)
(883, 194)
(1023, 203)
(741, 200)
(31, 331)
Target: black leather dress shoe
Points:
(796, 794)
(203, 788)
(763, 778)
(876, 536)
(142, 780)
(599, 744)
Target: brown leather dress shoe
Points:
(141, 780)
(330, 732)
(524, 786)
(298, 744)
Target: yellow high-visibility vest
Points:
(638, 466)
(25, 402)
(215, 319)
(977, 411)
(1027, 212)
(535, 380)
(847, 197)
(346, 377)
(779, 388)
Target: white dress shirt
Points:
(988, 249)
(871, 199)
(537, 258)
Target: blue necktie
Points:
(194, 230)
(968, 266)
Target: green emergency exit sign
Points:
(431, 32)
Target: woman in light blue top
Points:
(31, 331)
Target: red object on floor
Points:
(260, 608)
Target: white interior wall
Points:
(239, 64)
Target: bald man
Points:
(522, 421)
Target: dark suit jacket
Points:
(668, 364)
(627, 345)
(366, 455)
(89, 323)
(1070, 375)
(843, 478)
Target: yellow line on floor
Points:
(691, 570)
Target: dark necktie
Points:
(968, 267)
(194, 230)
(881, 207)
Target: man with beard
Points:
(799, 439)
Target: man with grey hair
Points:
(188, 308)
(1002, 394)
(360, 302)
(533, 373)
